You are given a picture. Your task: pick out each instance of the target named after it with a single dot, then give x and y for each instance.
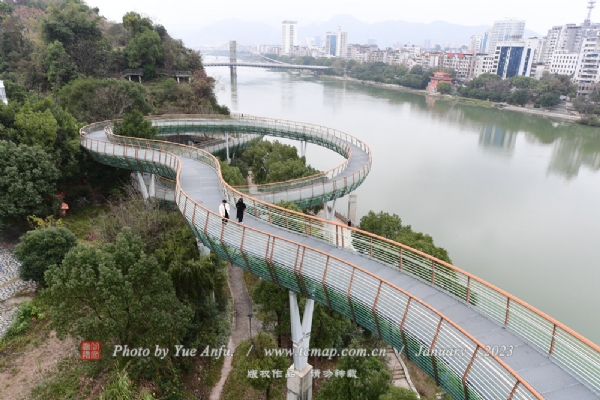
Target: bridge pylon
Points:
(233, 59)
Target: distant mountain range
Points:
(386, 33)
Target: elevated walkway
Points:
(475, 340)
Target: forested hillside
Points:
(62, 64)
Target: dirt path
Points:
(19, 375)
(242, 306)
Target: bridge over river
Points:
(474, 339)
(233, 63)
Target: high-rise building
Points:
(515, 57)
(289, 36)
(503, 31)
(561, 39)
(336, 43)
(475, 43)
(587, 72)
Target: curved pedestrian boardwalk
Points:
(475, 340)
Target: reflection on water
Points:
(234, 92)
(497, 138)
(574, 145)
(570, 153)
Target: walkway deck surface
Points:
(543, 373)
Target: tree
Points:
(523, 82)
(59, 65)
(203, 87)
(256, 360)
(549, 99)
(28, 176)
(289, 205)
(587, 104)
(144, 49)
(520, 97)
(382, 224)
(69, 22)
(275, 162)
(92, 100)
(134, 125)
(273, 302)
(417, 70)
(372, 379)
(422, 242)
(231, 175)
(390, 227)
(135, 23)
(39, 249)
(398, 393)
(36, 128)
(444, 87)
(115, 294)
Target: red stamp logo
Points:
(90, 350)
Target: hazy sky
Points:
(181, 15)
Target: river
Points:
(513, 197)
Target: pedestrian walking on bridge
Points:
(241, 209)
(224, 210)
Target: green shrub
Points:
(41, 248)
(25, 314)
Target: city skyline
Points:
(539, 16)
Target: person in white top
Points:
(224, 211)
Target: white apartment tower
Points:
(289, 36)
(587, 71)
(476, 43)
(503, 31)
(336, 43)
(561, 39)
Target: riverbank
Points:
(464, 100)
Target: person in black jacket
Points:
(241, 209)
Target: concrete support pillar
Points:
(352, 208)
(202, 249)
(332, 212)
(129, 78)
(152, 189)
(142, 184)
(303, 148)
(177, 79)
(299, 387)
(227, 147)
(139, 78)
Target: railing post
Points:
(468, 289)
(553, 340)
(513, 391)
(432, 272)
(433, 363)
(404, 342)
(348, 295)
(374, 309)
(466, 374)
(400, 259)
(507, 310)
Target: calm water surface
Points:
(514, 198)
